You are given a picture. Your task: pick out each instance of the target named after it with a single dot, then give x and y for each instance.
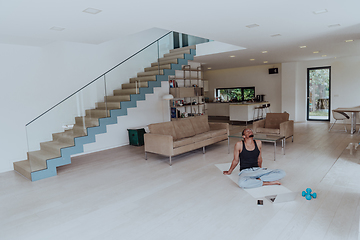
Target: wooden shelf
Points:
(193, 105)
(187, 78)
(182, 92)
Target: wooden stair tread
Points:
(108, 105)
(57, 144)
(150, 73)
(143, 79)
(164, 66)
(174, 61)
(127, 91)
(26, 169)
(42, 154)
(134, 85)
(182, 51)
(119, 98)
(183, 48)
(24, 164)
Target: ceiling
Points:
(28, 22)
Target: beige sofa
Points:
(184, 135)
(275, 124)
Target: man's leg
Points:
(249, 178)
(260, 177)
(273, 175)
(249, 182)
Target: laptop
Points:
(282, 197)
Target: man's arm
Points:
(235, 161)
(259, 144)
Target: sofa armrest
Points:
(217, 126)
(287, 128)
(158, 143)
(258, 124)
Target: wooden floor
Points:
(116, 194)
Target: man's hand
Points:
(226, 172)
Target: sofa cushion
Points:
(200, 124)
(273, 120)
(183, 128)
(219, 132)
(201, 137)
(268, 130)
(164, 128)
(183, 142)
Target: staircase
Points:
(57, 152)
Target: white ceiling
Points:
(28, 22)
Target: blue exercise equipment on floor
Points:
(308, 194)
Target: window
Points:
(238, 94)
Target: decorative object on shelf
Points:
(173, 83)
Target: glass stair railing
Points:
(62, 131)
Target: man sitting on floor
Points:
(251, 174)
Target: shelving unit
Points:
(188, 90)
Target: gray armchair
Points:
(275, 124)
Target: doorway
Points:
(318, 93)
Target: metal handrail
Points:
(98, 78)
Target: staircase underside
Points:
(148, 81)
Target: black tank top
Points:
(249, 159)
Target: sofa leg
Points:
(292, 138)
(170, 160)
(145, 155)
(204, 150)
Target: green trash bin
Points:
(136, 136)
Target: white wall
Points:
(19, 70)
(36, 78)
(288, 90)
(345, 84)
(258, 76)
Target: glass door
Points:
(318, 93)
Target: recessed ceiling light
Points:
(57, 28)
(334, 25)
(252, 59)
(350, 40)
(232, 56)
(323, 55)
(92, 11)
(252, 25)
(302, 47)
(275, 35)
(265, 61)
(316, 52)
(320, 11)
(209, 67)
(264, 52)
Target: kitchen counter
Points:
(251, 103)
(243, 112)
(222, 109)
